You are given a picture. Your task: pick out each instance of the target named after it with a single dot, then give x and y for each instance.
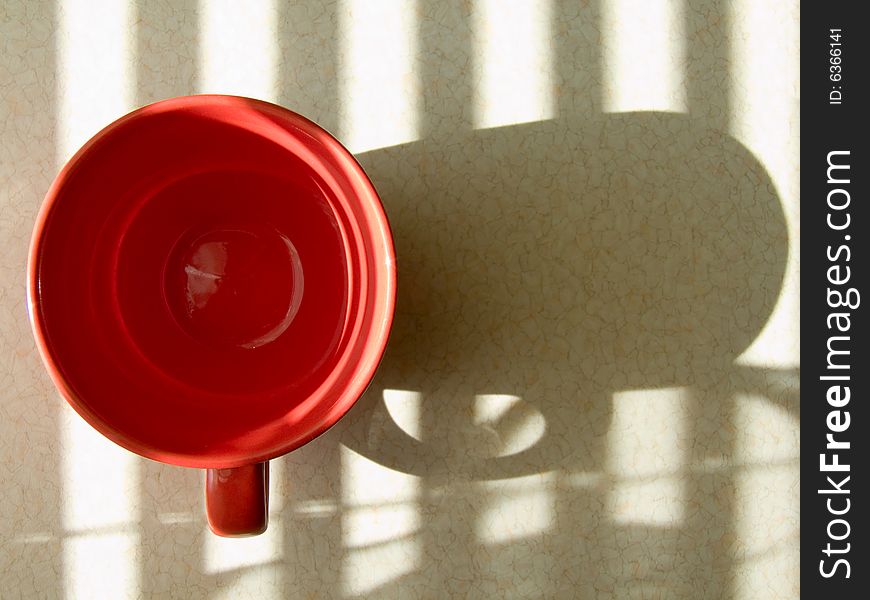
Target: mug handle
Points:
(237, 500)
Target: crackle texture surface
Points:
(592, 385)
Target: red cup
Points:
(211, 284)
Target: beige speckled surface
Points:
(592, 386)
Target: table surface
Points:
(592, 385)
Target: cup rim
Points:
(372, 349)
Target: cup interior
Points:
(212, 281)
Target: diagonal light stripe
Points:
(647, 444)
(100, 480)
(380, 524)
(238, 51)
(95, 76)
(643, 55)
(766, 117)
(514, 62)
(378, 73)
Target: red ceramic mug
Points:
(211, 284)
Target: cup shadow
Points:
(569, 260)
